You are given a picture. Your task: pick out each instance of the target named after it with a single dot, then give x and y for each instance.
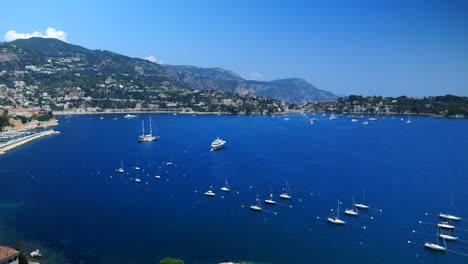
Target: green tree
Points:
(171, 261)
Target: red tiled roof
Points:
(6, 252)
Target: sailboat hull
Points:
(255, 208)
(361, 206)
(448, 237)
(449, 217)
(336, 221)
(434, 247)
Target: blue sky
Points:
(385, 48)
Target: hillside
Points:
(85, 61)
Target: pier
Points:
(23, 140)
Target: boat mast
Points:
(338, 210)
(151, 127)
(142, 127)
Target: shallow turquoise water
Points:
(71, 200)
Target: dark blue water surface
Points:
(63, 193)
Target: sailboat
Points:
(445, 225)
(226, 186)
(287, 194)
(409, 118)
(362, 205)
(121, 170)
(157, 176)
(436, 246)
(449, 216)
(270, 201)
(149, 137)
(257, 207)
(353, 211)
(210, 193)
(336, 219)
(137, 180)
(447, 236)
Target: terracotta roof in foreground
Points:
(6, 252)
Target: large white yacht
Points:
(148, 137)
(130, 116)
(217, 144)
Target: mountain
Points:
(85, 61)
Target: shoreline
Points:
(61, 113)
(21, 141)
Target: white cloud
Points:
(49, 33)
(255, 76)
(154, 59)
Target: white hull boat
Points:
(257, 206)
(210, 193)
(434, 246)
(448, 237)
(217, 144)
(336, 221)
(449, 217)
(445, 225)
(351, 212)
(149, 137)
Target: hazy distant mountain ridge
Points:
(88, 61)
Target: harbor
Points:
(19, 140)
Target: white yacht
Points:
(365, 123)
(449, 217)
(445, 225)
(270, 201)
(137, 168)
(372, 119)
(225, 188)
(129, 116)
(287, 194)
(137, 180)
(210, 193)
(336, 219)
(332, 117)
(148, 137)
(257, 207)
(362, 205)
(448, 237)
(217, 144)
(157, 177)
(434, 246)
(353, 211)
(354, 120)
(121, 169)
(169, 163)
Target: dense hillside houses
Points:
(448, 105)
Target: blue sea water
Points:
(63, 191)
